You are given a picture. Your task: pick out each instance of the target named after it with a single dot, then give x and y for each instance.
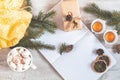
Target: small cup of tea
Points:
(20, 59)
(110, 37)
(98, 26)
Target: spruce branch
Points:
(112, 17)
(95, 10)
(65, 48)
(29, 5)
(49, 15)
(62, 48)
(36, 28)
(33, 33)
(39, 24)
(25, 42)
(43, 20)
(117, 27)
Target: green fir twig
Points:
(43, 21)
(117, 27)
(29, 4)
(65, 48)
(25, 42)
(112, 17)
(62, 48)
(33, 33)
(39, 24)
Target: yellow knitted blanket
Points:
(13, 22)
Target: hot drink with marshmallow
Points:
(20, 59)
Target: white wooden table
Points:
(44, 70)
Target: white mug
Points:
(103, 26)
(115, 34)
(20, 59)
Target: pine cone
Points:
(68, 48)
(116, 48)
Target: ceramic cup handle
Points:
(33, 66)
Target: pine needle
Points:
(33, 33)
(34, 44)
(36, 29)
(49, 15)
(112, 17)
(62, 48)
(39, 24)
(29, 4)
(65, 48)
(117, 27)
(43, 20)
(95, 10)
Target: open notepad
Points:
(75, 65)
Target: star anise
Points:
(99, 51)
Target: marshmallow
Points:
(25, 54)
(14, 53)
(19, 67)
(27, 61)
(12, 65)
(21, 50)
(26, 66)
